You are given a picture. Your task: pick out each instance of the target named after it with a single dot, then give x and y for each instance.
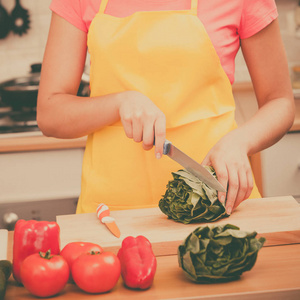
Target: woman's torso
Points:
(225, 21)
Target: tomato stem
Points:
(46, 255)
(95, 252)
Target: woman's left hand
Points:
(230, 161)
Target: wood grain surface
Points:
(275, 276)
(275, 218)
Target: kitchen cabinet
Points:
(40, 175)
(281, 167)
(276, 169)
(39, 184)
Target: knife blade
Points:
(192, 166)
(103, 214)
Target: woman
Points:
(162, 69)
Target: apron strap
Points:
(194, 7)
(103, 6)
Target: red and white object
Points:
(103, 214)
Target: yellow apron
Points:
(167, 56)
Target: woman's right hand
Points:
(143, 121)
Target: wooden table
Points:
(276, 275)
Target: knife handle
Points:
(167, 145)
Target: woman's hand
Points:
(230, 161)
(143, 121)
(270, 77)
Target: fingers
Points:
(155, 130)
(133, 126)
(160, 136)
(148, 136)
(143, 121)
(222, 175)
(233, 189)
(127, 125)
(239, 188)
(245, 189)
(237, 176)
(137, 129)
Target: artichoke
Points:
(218, 254)
(189, 200)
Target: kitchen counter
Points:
(40, 142)
(37, 143)
(267, 280)
(276, 274)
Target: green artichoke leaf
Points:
(194, 245)
(234, 233)
(191, 181)
(188, 200)
(218, 253)
(188, 264)
(199, 266)
(224, 240)
(256, 245)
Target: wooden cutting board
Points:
(3, 243)
(276, 218)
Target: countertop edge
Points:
(39, 143)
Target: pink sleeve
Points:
(256, 15)
(70, 10)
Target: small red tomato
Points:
(72, 250)
(44, 275)
(96, 272)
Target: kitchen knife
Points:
(192, 166)
(103, 214)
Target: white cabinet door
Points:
(281, 167)
(40, 175)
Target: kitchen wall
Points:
(290, 35)
(18, 53)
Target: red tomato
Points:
(72, 250)
(44, 275)
(96, 272)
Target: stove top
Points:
(17, 121)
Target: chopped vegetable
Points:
(218, 254)
(189, 200)
(138, 263)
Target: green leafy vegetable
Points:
(219, 253)
(189, 200)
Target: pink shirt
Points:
(226, 21)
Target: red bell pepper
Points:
(138, 262)
(32, 237)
